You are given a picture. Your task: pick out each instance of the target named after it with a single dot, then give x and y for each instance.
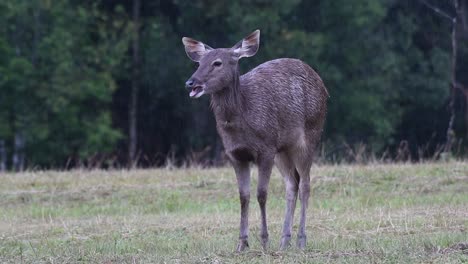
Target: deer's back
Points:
(284, 96)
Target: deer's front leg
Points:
(243, 181)
(265, 165)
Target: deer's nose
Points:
(189, 83)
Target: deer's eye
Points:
(217, 63)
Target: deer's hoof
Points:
(265, 242)
(243, 245)
(285, 242)
(302, 242)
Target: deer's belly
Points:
(241, 154)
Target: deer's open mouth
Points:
(197, 91)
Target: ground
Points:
(394, 213)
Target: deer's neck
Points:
(228, 104)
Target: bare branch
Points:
(462, 88)
(438, 11)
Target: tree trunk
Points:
(450, 131)
(3, 156)
(133, 133)
(465, 93)
(463, 16)
(18, 153)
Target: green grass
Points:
(399, 213)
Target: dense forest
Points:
(101, 82)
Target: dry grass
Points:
(398, 213)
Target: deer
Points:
(272, 115)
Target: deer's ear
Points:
(248, 46)
(195, 49)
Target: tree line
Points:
(100, 83)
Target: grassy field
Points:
(359, 214)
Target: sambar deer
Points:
(273, 114)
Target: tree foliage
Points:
(66, 72)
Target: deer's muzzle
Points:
(196, 90)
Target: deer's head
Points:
(218, 68)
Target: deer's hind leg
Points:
(291, 182)
(303, 162)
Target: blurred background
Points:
(100, 83)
